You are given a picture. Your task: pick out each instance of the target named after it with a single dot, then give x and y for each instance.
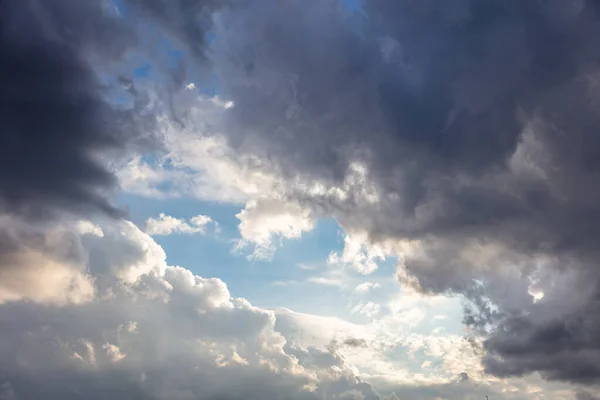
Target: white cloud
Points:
(368, 309)
(358, 254)
(365, 287)
(320, 280)
(166, 225)
(125, 253)
(198, 159)
(162, 333)
(266, 220)
(140, 177)
(201, 162)
(31, 275)
(42, 266)
(306, 267)
(165, 333)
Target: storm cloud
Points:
(55, 120)
(473, 123)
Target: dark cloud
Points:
(477, 121)
(355, 342)
(188, 21)
(583, 395)
(57, 119)
(434, 98)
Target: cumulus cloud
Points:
(321, 280)
(368, 309)
(267, 220)
(166, 225)
(365, 287)
(58, 118)
(157, 331)
(358, 254)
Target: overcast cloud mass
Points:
(458, 138)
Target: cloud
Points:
(415, 365)
(157, 331)
(354, 342)
(43, 267)
(451, 135)
(365, 287)
(266, 220)
(452, 129)
(59, 121)
(167, 225)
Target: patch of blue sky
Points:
(299, 277)
(211, 38)
(352, 6)
(210, 86)
(120, 7)
(114, 91)
(313, 248)
(143, 71)
(356, 15)
(205, 255)
(305, 297)
(452, 311)
(286, 276)
(211, 255)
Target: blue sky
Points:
(277, 282)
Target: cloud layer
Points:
(459, 137)
(462, 133)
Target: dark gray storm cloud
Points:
(58, 117)
(583, 395)
(355, 342)
(431, 95)
(477, 121)
(54, 117)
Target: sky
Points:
(299, 200)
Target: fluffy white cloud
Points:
(166, 225)
(321, 280)
(365, 287)
(198, 160)
(368, 309)
(155, 331)
(42, 266)
(358, 254)
(31, 275)
(267, 220)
